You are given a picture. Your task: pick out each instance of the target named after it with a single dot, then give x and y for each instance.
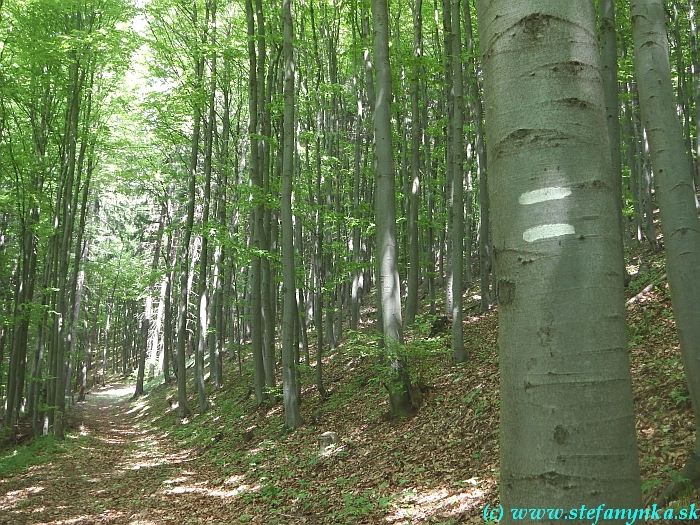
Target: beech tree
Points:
(565, 380)
(675, 193)
(389, 289)
(459, 353)
(53, 104)
(289, 376)
(264, 168)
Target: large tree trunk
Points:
(459, 354)
(397, 382)
(447, 195)
(289, 376)
(203, 303)
(264, 215)
(256, 215)
(567, 418)
(675, 195)
(318, 258)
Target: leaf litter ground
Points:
(135, 462)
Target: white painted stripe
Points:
(547, 231)
(543, 195)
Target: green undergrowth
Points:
(36, 452)
(373, 468)
(243, 441)
(396, 471)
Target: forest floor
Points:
(137, 463)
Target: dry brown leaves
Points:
(438, 466)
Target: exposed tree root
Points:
(688, 477)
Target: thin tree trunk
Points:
(148, 313)
(477, 113)
(696, 89)
(608, 54)
(185, 271)
(414, 200)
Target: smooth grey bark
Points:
(169, 358)
(631, 148)
(185, 271)
(476, 110)
(267, 286)
(567, 417)
(646, 186)
(608, 58)
(202, 315)
(222, 252)
(414, 190)
(356, 255)
(267, 283)
(256, 215)
(330, 298)
(85, 168)
(357, 215)
(696, 86)
(153, 342)
(143, 344)
(675, 195)
(319, 274)
(25, 280)
(681, 78)
(331, 136)
(66, 207)
(302, 286)
(397, 382)
(289, 376)
(459, 354)
(429, 236)
(448, 194)
(360, 140)
(318, 260)
(147, 314)
(640, 172)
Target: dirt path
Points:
(115, 470)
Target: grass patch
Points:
(39, 451)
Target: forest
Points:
(376, 261)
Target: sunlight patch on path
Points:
(117, 391)
(12, 498)
(217, 493)
(201, 488)
(147, 452)
(420, 504)
(139, 409)
(105, 517)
